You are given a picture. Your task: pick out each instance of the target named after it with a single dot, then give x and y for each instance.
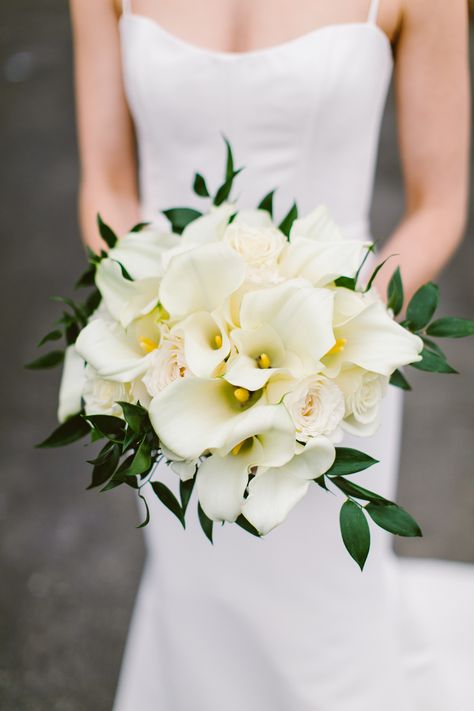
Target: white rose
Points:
(167, 363)
(101, 396)
(316, 406)
(363, 394)
(259, 247)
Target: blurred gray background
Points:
(69, 559)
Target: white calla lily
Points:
(141, 253)
(261, 355)
(201, 279)
(298, 312)
(274, 491)
(264, 438)
(206, 343)
(125, 299)
(317, 225)
(209, 227)
(194, 415)
(72, 383)
(374, 341)
(323, 262)
(112, 352)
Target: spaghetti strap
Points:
(126, 7)
(373, 12)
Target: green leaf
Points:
(432, 346)
(321, 481)
(355, 532)
(346, 282)
(432, 363)
(229, 168)
(375, 272)
(395, 293)
(422, 306)
(369, 250)
(247, 526)
(121, 476)
(103, 454)
(358, 492)
(141, 462)
(146, 521)
(51, 336)
(185, 491)
(126, 275)
(76, 308)
(207, 524)
(180, 217)
(199, 186)
(451, 327)
(111, 427)
(225, 189)
(106, 232)
(136, 417)
(290, 217)
(169, 500)
(140, 226)
(50, 360)
(92, 302)
(106, 467)
(73, 429)
(87, 278)
(394, 519)
(350, 461)
(399, 381)
(266, 203)
(71, 333)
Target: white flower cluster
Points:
(248, 357)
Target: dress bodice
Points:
(303, 116)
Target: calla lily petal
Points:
(206, 343)
(141, 252)
(201, 279)
(314, 459)
(72, 384)
(375, 342)
(318, 225)
(322, 262)
(125, 299)
(193, 415)
(210, 227)
(110, 352)
(272, 495)
(299, 313)
(275, 491)
(221, 483)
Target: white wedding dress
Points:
(288, 622)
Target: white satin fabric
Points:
(287, 623)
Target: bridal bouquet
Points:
(240, 352)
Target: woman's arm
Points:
(432, 87)
(106, 140)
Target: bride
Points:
(286, 623)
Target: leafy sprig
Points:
(353, 522)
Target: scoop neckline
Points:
(262, 51)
